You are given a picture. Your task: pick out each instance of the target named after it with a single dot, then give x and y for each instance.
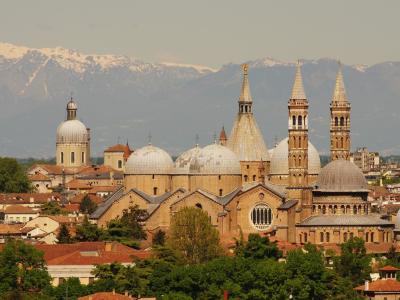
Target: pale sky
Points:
(209, 32)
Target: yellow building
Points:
(245, 188)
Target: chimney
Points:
(108, 247)
(226, 295)
(90, 297)
(366, 286)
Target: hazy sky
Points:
(209, 32)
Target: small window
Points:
(62, 157)
(367, 237)
(321, 237)
(327, 237)
(336, 121)
(83, 157)
(198, 205)
(72, 157)
(155, 191)
(341, 121)
(345, 237)
(153, 176)
(294, 120)
(254, 177)
(246, 178)
(119, 164)
(372, 237)
(219, 177)
(220, 192)
(305, 238)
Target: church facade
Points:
(246, 188)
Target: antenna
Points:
(196, 139)
(149, 137)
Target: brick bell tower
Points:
(340, 120)
(298, 188)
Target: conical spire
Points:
(222, 137)
(339, 94)
(245, 95)
(298, 88)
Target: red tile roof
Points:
(19, 209)
(90, 253)
(109, 188)
(387, 285)
(120, 148)
(73, 207)
(25, 198)
(10, 229)
(79, 197)
(106, 296)
(39, 177)
(77, 184)
(389, 268)
(56, 170)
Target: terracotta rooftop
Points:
(98, 189)
(389, 268)
(39, 177)
(106, 296)
(90, 253)
(120, 148)
(56, 170)
(6, 229)
(77, 184)
(73, 207)
(25, 198)
(19, 209)
(388, 285)
(79, 197)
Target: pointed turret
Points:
(298, 88)
(245, 95)
(339, 94)
(222, 137)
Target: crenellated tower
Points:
(340, 120)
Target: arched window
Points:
(367, 237)
(354, 210)
(323, 209)
(246, 178)
(72, 157)
(351, 235)
(313, 209)
(220, 192)
(254, 177)
(319, 208)
(83, 157)
(294, 120)
(335, 209)
(62, 157)
(327, 237)
(321, 237)
(261, 216)
(154, 191)
(348, 209)
(372, 237)
(198, 205)
(119, 164)
(299, 121)
(304, 120)
(305, 238)
(341, 142)
(336, 121)
(345, 237)
(341, 121)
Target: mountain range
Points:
(125, 99)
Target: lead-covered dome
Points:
(341, 176)
(280, 163)
(149, 160)
(72, 132)
(182, 163)
(215, 159)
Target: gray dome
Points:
(215, 160)
(182, 163)
(280, 163)
(71, 132)
(341, 176)
(149, 160)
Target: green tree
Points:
(22, 268)
(257, 247)
(52, 208)
(192, 233)
(13, 179)
(353, 263)
(132, 218)
(71, 288)
(159, 238)
(64, 236)
(87, 232)
(87, 206)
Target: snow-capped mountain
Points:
(121, 98)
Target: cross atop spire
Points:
(298, 88)
(339, 93)
(245, 95)
(222, 137)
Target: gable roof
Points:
(19, 209)
(388, 285)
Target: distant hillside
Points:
(122, 98)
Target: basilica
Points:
(242, 185)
